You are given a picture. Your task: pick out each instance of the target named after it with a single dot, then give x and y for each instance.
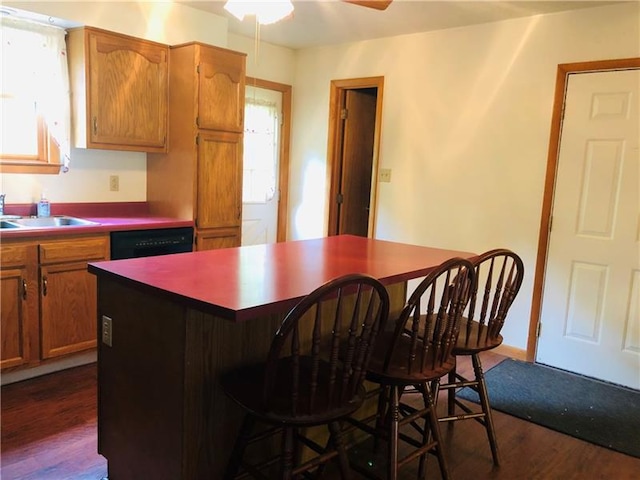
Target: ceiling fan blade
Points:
(377, 4)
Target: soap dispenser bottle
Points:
(44, 207)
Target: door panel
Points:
(357, 162)
(590, 312)
(260, 215)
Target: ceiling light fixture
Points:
(266, 12)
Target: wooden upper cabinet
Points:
(120, 91)
(221, 84)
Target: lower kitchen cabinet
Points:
(19, 304)
(53, 287)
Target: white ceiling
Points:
(325, 22)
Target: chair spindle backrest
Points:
(430, 320)
(321, 351)
(499, 275)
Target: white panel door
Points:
(590, 320)
(261, 190)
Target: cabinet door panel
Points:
(128, 91)
(219, 180)
(13, 322)
(221, 84)
(68, 309)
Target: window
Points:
(260, 151)
(34, 98)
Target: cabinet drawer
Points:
(83, 249)
(14, 255)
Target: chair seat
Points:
(398, 373)
(244, 386)
(476, 341)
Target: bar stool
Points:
(499, 275)
(313, 375)
(415, 354)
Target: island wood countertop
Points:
(252, 281)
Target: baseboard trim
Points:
(44, 369)
(511, 352)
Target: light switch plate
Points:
(385, 175)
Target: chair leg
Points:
(339, 446)
(239, 447)
(451, 393)
(434, 427)
(426, 434)
(394, 419)
(287, 453)
(486, 408)
(381, 416)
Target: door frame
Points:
(562, 77)
(285, 141)
(334, 146)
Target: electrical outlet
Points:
(385, 175)
(114, 183)
(107, 330)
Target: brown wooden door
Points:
(221, 83)
(357, 161)
(219, 191)
(128, 92)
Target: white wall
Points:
(465, 129)
(267, 62)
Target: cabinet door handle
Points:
(44, 286)
(95, 125)
(24, 289)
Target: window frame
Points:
(46, 161)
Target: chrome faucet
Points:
(2, 195)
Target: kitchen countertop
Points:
(116, 216)
(252, 281)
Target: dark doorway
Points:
(353, 145)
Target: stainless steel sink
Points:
(46, 222)
(8, 224)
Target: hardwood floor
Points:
(49, 433)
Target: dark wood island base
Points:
(179, 321)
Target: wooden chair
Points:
(414, 355)
(499, 275)
(313, 375)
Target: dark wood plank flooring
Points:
(49, 432)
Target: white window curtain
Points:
(260, 150)
(34, 66)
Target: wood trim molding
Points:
(285, 145)
(562, 76)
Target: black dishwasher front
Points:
(145, 243)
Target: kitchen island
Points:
(174, 323)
